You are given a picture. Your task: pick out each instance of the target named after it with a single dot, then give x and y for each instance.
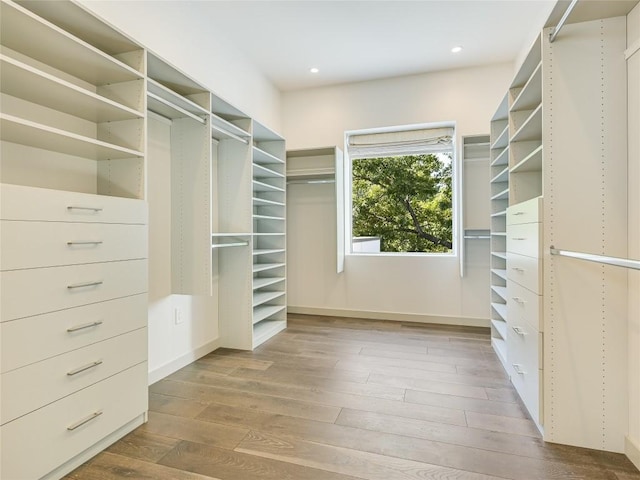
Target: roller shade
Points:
(406, 142)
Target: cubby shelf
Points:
(531, 163)
(261, 282)
(263, 312)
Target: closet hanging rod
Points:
(477, 237)
(225, 245)
(618, 262)
(317, 182)
(228, 133)
(175, 107)
(558, 27)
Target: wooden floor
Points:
(338, 399)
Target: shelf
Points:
(502, 140)
(531, 128)
(502, 158)
(221, 129)
(501, 308)
(503, 176)
(268, 234)
(268, 251)
(311, 174)
(502, 213)
(532, 60)
(265, 187)
(499, 234)
(267, 217)
(28, 83)
(531, 94)
(25, 132)
(34, 37)
(263, 297)
(265, 311)
(263, 134)
(266, 329)
(262, 202)
(261, 267)
(531, 163)
(264, 158)
(501, 328)
(502, 255)
(501, 291)
(504, 194)
(168, 103)
(262, 172)
(266, 281)
(500, 272)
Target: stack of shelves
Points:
(269, 234)
(499, 163)
(73, 264)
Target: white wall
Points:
(184, 35)
(633, 71)
(408, 287)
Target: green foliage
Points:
(406, 201)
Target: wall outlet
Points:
(178, 317)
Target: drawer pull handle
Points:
(518, 213)
(88, 242)
(84, 368)
(518, 368)
(518, 300)
(517, 269)
(92, 209)
(88, 284)
(79, 423)
(83, 326)
(518, 238)
(519, 331)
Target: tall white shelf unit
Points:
(73, 219)
(565, 336)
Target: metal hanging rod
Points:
(558, 27)
(311, 181)
(618, 262)
(172, 105)
(225, 245)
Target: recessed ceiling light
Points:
(314, 70)
(456, 49)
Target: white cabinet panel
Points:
(108, 404)
(525, 239)
(49, 244)
(29, 388)
(525, 212)
(32, 292)
(36, 338)
(527, 271)
(524, 305)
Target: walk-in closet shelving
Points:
(73, 221)
(269, 234)
(499, 182)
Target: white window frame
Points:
(348, 185)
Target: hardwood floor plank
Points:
(179, 407)
(143, 445)
(193, 430)
(500, 423)
(319, 340)
(502, 394)
(232, 361)
(347, 461)
(483, 371)
(470, 391)
(108, 466)
(230, 465)
(466, 403)
(282, 358)
(257, 401)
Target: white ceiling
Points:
(362, 40)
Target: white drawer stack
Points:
(524, 302)
(73, 324)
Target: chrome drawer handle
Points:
(84, 368)
(79, 423)
(92, 209)
(518, 300)
(88, 242)
(88, 284)
(519, 331)
(517, 269)
(518, 238)
(518, 213)
(83, 326)
(518, 369)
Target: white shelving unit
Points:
(499, 183)
(73, 215)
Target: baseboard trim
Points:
(401, 317)
(632, 451)
(182, 361)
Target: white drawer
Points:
(524, 305)
(29, 388)
(49, 244)
(35, 444)
(42, 290)
(525, 212)
(524, 344)
(525, 239)
(30, 203)
(526, 271)
(30, 340)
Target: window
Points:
(401, 190)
